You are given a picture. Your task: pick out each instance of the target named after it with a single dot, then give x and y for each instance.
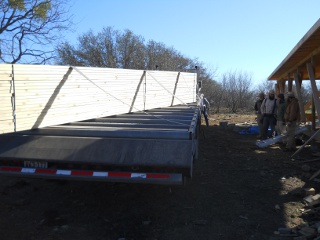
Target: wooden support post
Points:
(282, 85)
(313, 105)
(289, 83)
(299, 95)
(313, 115)
(277, 88)
(314, 87)
(300, 78)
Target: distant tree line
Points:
(116, 49)
(233, 93)
(236, 93)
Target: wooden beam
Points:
(299, 95)
(304, 60)
(313, 114)
(46, 95)
(277, 89)
(282, 85)
(289, 83)
(314, 87)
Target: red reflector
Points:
(46, 171)
(157, 175)
(11, 169)
(119, 174)
(81, 173)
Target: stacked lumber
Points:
(35, 96)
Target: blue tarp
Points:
(250, 130)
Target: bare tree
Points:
(214, 93)
(28, 28)
(157, 54)
(108, 48)
(244, 89)
(90, 52)
(152, 50)
(93, 50)
(130, 50)
(108, 37)
(68, 55)
(112, 48)
(237, 90)
(172, 60)
(211, 89)
(265, 87)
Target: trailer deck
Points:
(154, 146)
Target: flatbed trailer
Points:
(102, 124)
(154, 146)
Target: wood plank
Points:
(6, 128)
(46, 95)
(5, 69)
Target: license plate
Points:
(35, 164)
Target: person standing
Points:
(268, 111)
(257, 108)
(292, 118)
(281, 109)
(204, 104)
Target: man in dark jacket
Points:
(292, 118)
(257, 108)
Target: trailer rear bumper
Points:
(134, 177)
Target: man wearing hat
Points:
(268, 111)
(292, 117)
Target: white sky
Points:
(228, 35)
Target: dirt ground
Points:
(238, 191)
